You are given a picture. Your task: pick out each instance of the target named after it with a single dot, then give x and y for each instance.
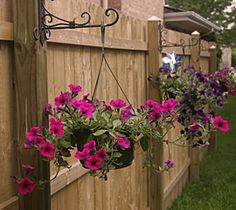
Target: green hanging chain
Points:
(107, 64)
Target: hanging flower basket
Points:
(102, 136)
(199, 95)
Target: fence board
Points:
(7, 123)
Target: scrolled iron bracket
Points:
(46, 22)
(203, 48)
(165, 43)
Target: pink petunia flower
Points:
(28, 145)
(150, 103)
(153, 116)
(85, 97)
(83, 155)
(33, 134)
(221, 124)
(75, 103)
(40, 140)
(123, 142)
(62, 99)
(158, 109)
(47, 150)
(93, 163)
(55, 122)
(86, 104)
(118, 104)
(169, 163)
(232, 92)
(194, 127)
(86, 111)
(102, 154)
(56, 130)
(91, 145)
(75, 89)
(106, 107)
(169, 105)
(28, 168)
(25, 186)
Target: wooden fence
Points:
(73, 56)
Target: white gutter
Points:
(191, 17)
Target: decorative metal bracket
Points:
(46, 22)
(203, 48)
(165, 43)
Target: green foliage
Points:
(234, 57)
(215, 11)
(144, 143)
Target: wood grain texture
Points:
(6, 13)
(6, 31)
(31, 93)
(154, 63)
(7, 125)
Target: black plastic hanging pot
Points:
(81, 137)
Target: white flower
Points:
(170, 59)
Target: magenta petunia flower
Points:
(232, 92)
(83, 155)
(62, 99)
(153, 116)
(85, 97)
(75, 103)
(33, 134)
(75, 89)
(91, 145)
(25, 186)
(123, 142)
(150, 103)
(157, 108)
(102, 154)
(56, 130)
(28, 145)
(47, 150)
(194, 127)
(118, 104)
(107, 107)
(169, 105)
(87, 111)
(221, 124)
(55, 122)
(97, 102)
(40, 140)
(169, 163)
(28, 168)
(93, 163)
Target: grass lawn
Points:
(216, 189)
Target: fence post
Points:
(195, 62)
(212, 69)
(30, 79)
(154, 58)
(195, 50)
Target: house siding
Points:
(141, 9)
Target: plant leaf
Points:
(117, 155)
(99, 132)
(144, 143)
(116, 123)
